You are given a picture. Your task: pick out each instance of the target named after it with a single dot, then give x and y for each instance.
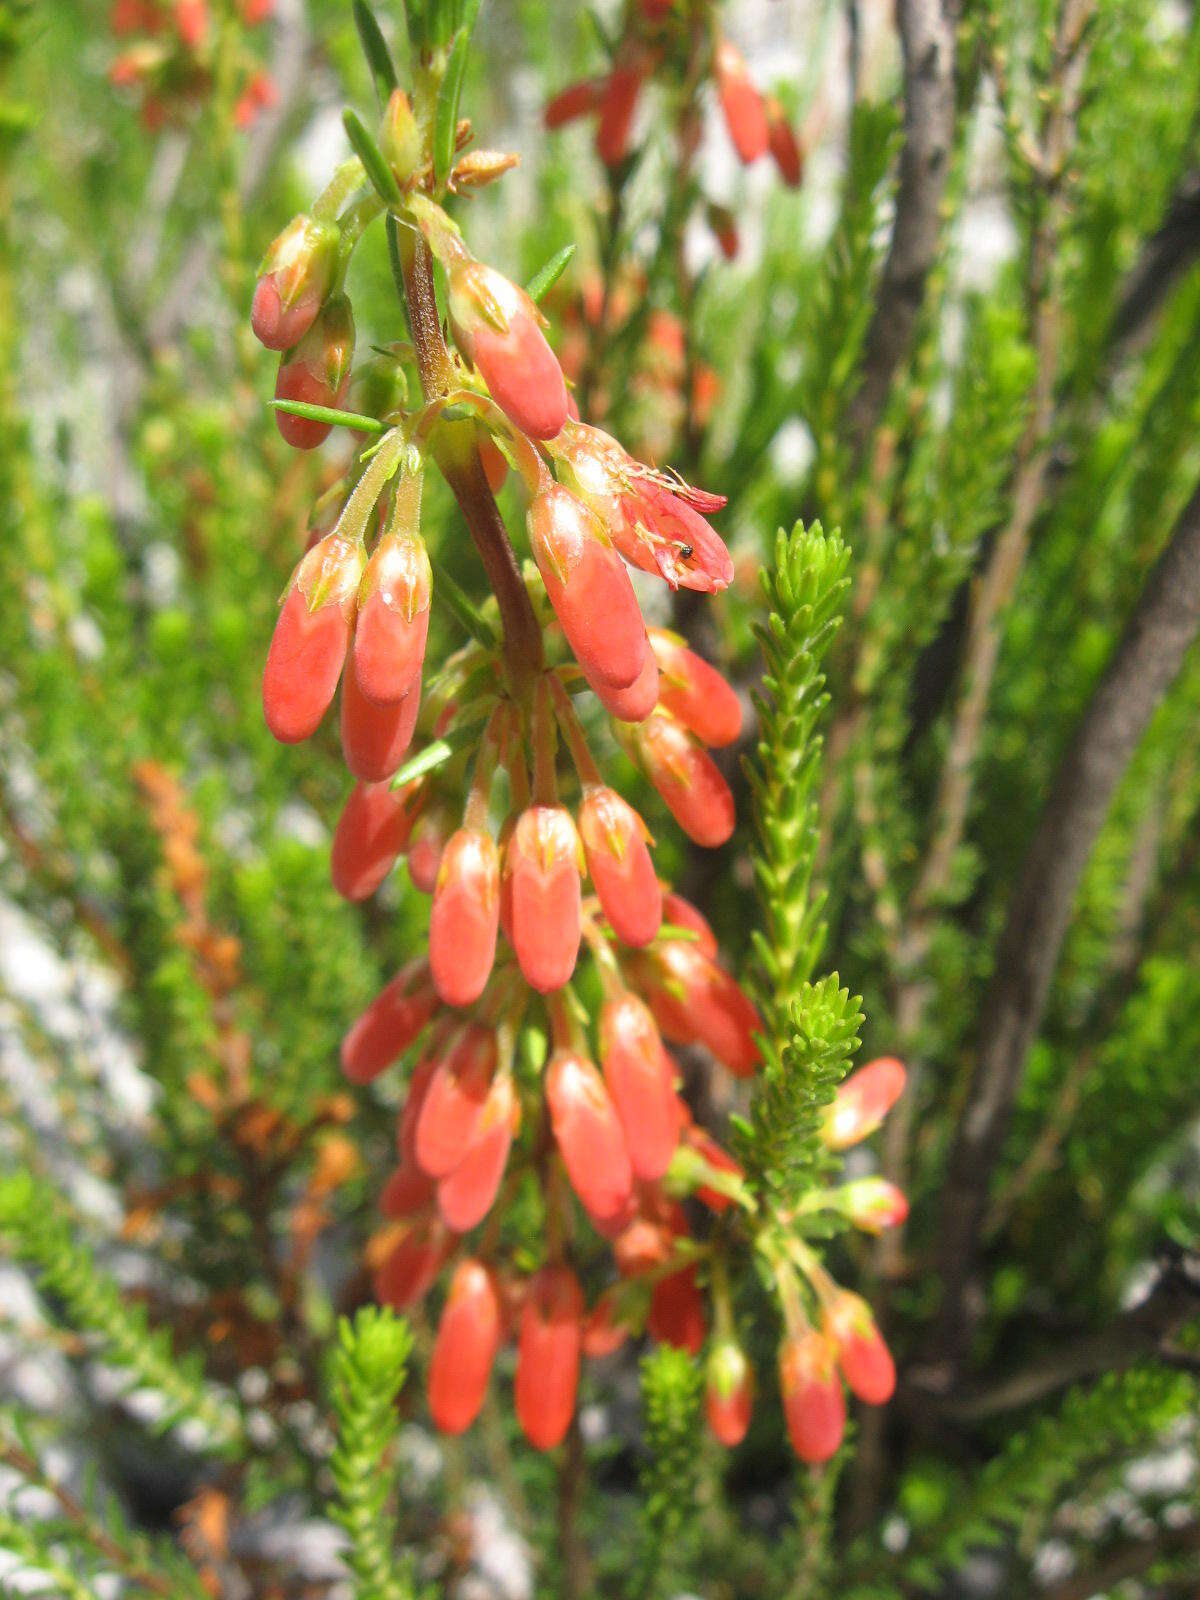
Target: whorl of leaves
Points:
(811, 1029)
(671, 1384)
(370, 1364)
(35, 1228)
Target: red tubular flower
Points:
(465, 1196)
(745, 114)
(617, 103)
(495, 466)
(548, 1350)
(813, 1403)
(317, 372)
(677, 1312)
(372, 832)
(407, 1191)
(575, 101)
(719, 1159)
(728, 1392)
(654, 522)
(862, 1102)
(429, 839)
(635, 703)
(604, 1332)
(311, 638)
(393, 618)
(872, 1204)
(453, 1104)
(191, 22)
(389, 1024)
(542, 866)
(615, 846)
(589, 1136)
(465, 917)
(641, 1080)
(468, 1337)
(408, 1273)
(695, 692)
(296, 275)
(864, 1358)
(375, 737)
(695, 1001)
(681, 913)
(686, 777)
(785, 146)
(497, 328)
(588, 587)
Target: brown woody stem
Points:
(457, 456)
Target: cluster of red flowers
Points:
(681, 45)
(480, 817)
(167, 58)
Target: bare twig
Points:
(927, 30)
(1162, 627)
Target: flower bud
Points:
(686, 778)
(617, 104)
(407, 1274)
(694, 692)
(677, 1312)
(542, 865)
(864, 1358)
(407, 1191)
(399, 136)
(588, 587)
(548, 1349)
(784, 145)
(728, 1392)
(393, 618)
(192, 22)
(311, 638)
(872, 1204)
(429, 839)
(371, 833)
(465, 917)
(465, 1195)
(496, 325)
(604, 1332)
(635, 703)
(575, 101)
(375, 737)
(813, 1403)
(862, 1102)
(418, 1087)
(695, 1001)
(468, 1337)
(614, 843)
(317, 372)
(681, 913)
(720, 1164)
(389, 1024)
(641, 1080)
(296, 275)
(741, 103)
(588, 1133)
(453, 1104)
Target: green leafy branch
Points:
(671, 1383)
(35, 1228)
(811, 1029)
(370, 1364)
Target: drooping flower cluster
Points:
(541, 878)
(168, 58)
(681, 47)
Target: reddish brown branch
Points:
(1150, 655)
